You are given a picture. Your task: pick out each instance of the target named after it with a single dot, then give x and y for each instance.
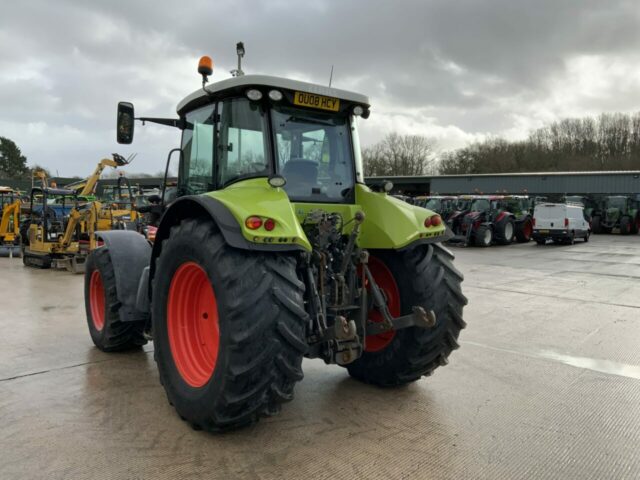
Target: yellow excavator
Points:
(60, 232)
(10, 204)
(63, 223)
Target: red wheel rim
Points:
(192, 323)
(96, 300)
(385, 281)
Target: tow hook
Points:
(344, 329)
(420, 318)
(423, 318)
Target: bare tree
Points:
(608, 142)
(400, 155)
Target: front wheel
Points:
(483, 236)
(423, 276)
(107, 331)
(524, 230)
(229, 328)
(504, 232)
(625, 226)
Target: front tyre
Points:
(229, 328)
(524, 230)
(483, 236)
(505, 231)
(107, 331)
(423, 276)
(625, 225)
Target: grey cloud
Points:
(469, 64)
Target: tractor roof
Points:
(438, 197)
(54, 191)
(243, 82)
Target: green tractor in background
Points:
(521, 207)
(274, 250)
(619, 212)
(590, 205)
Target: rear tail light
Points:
(566, 222)
(253, 222)
(433, 221)
(269, 224)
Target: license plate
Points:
(543, 231)
(312, 100)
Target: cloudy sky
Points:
(456, 71)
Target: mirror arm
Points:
(171, 122)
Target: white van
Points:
(561, 222)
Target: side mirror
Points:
(124, 129)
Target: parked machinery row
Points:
(56, 227)
(483, 220)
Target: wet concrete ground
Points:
(545, 385)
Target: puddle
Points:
(593, 364)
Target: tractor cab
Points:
(444, 205)
(7, 196)
(50, 208)
(255, 126)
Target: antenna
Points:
(240, 52)
(331, 75)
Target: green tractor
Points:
(274, 250)
(590, 205)
(619, 212)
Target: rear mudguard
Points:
(393, 224)
(205, 206)
(130, 256)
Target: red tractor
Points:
(489, 220)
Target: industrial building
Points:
(544, 183)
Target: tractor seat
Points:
(301, 175)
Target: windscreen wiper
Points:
(309, 121)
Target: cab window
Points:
(242, 144)
(314, 154)
(197, 146)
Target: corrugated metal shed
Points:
(627, 182)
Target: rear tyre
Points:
(424, 276)
(504, 232)
(229, 328)
(107, 331)
(625, 226)
(524, 230)
(595, 224)
(483, 236)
